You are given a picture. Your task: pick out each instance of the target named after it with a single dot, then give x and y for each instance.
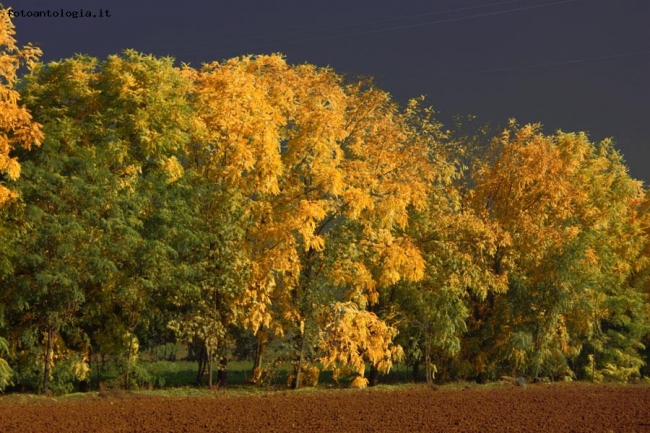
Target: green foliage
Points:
(5, 369)
(252, 200)
(27, 364)
(567, 213)
(68, 373)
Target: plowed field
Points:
(538, 408)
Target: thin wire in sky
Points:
(394, 28)
(427, 14)
(403, 27)
(521, 67)
(341, 26)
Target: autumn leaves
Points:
(16, 125)
(323, 167)
(295, 204)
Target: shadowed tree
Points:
(17, 129)
(564, 211)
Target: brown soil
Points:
(538, 408)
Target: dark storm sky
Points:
(572, 64)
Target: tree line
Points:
(145, 203)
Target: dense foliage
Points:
(255, 201)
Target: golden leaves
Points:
(562, 211)
(16, 125)
(129, 176)
(356, 201)
(534, 188)
(311, 153)
(151, 102)
(354, 336)
(11, 167)
(401, 260)
(359, 382)
(11, 57)
(243, 104)
(309, 213)
(358, 279)
(388, 168)
(173, 168)
(344, 194)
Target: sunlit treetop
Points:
(16, 125)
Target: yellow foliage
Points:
(81, 368)
(308, 150)
(16, 125)
(260, 376)
(531, 190)
(359, 382)
(174, 169)
(358, 278)
(563, 216)
(308, 377)
(401, 260)
(354, 336)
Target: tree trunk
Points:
(415, 370)
(301, 355)
(201, 358)
(48, 361)
(593, 366)
(127, 380)
(209, 352)
(222, 375)
(373, 376)
(427, 363)
(262, 340)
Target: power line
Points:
(402, 27)
(363, 23)
(357, 24)
(521, 67)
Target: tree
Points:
(563, 209)
(312, 156)
(353, 337)
(212, 263)
(455, 244)
(17, 129)
(94, 249)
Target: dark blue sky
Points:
(570, 64)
